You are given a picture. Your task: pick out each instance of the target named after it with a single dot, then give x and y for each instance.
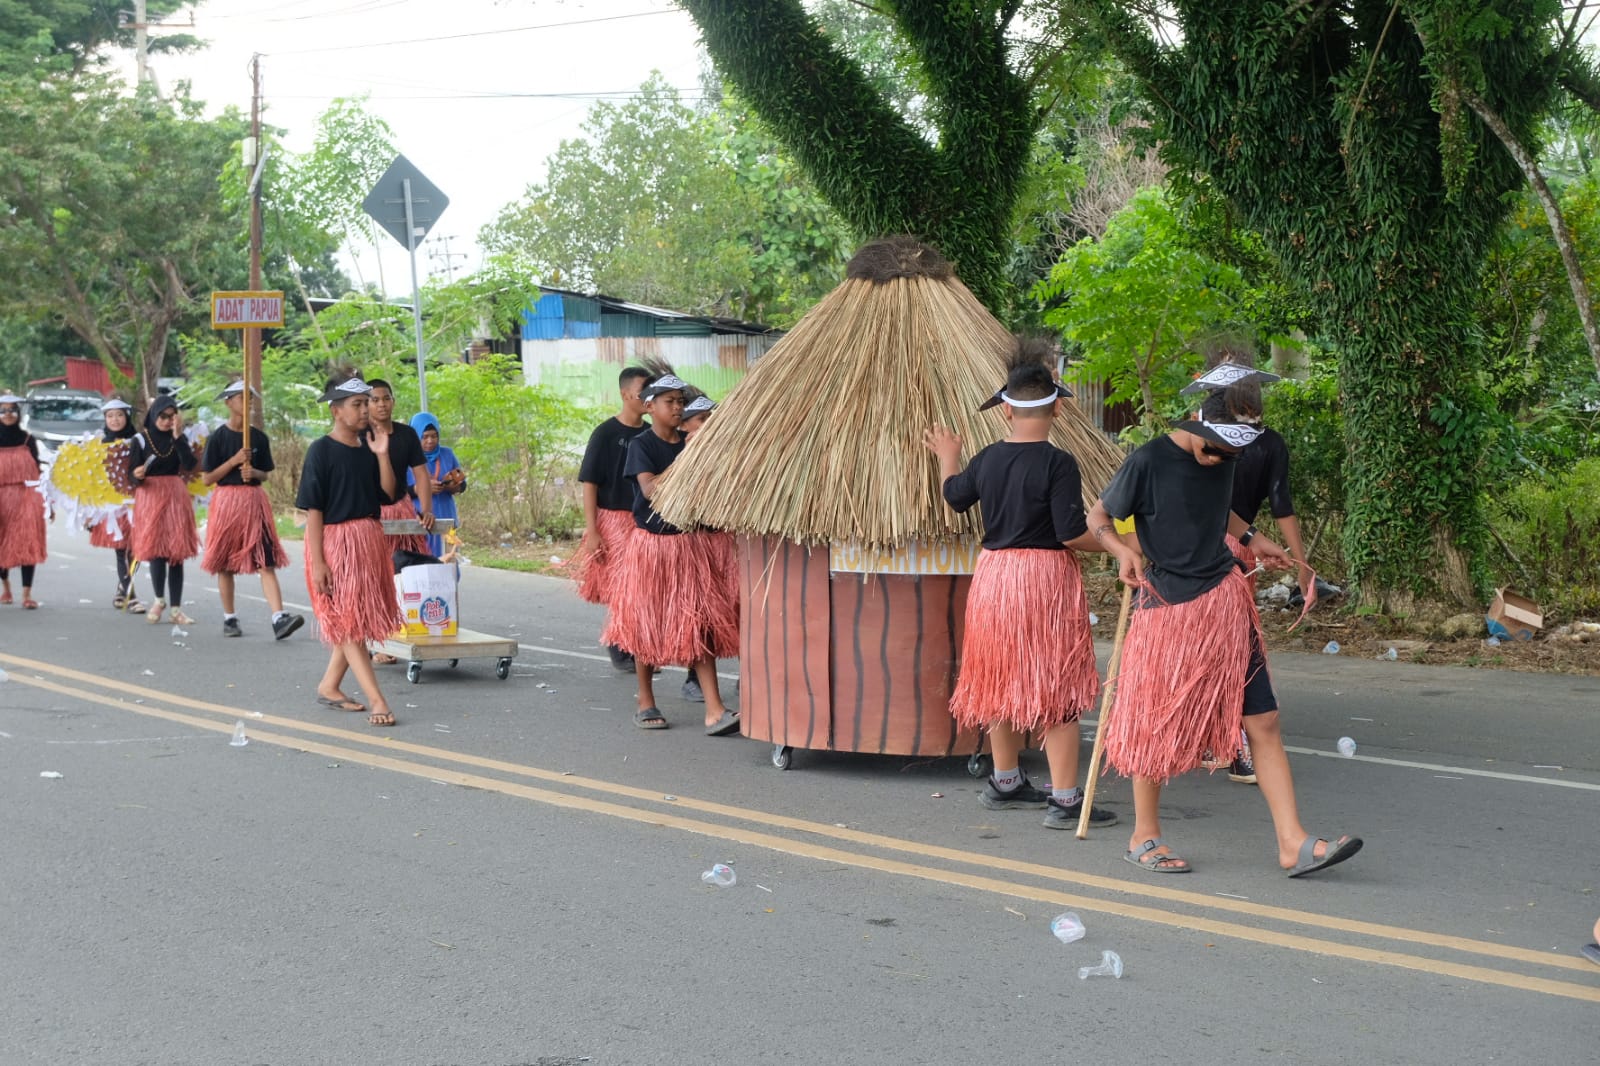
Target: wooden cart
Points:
(465, 644)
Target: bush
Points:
(1553, 527)
(1308, 415)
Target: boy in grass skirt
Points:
(608, 498)
(1027, 657)
(241, 532)
(349, 571)
(405, 455)
(1194, 664)
(22, 533)
(664, 604)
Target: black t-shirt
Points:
(1261, 473)
(405, 453)
(649, 454)
(225, 443)
(1030, 493)
(605, 463)
(179, 456)
(1182, 514)
(341, 481)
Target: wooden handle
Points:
(1106, 694)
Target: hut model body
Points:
(853, 572)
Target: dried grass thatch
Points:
(822, 440)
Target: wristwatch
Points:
(1248, 535)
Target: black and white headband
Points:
(1224, 374)
(700, 405)
(1227, 434)
(665, 383)
(1001, 396)
(236, 387)
(346, 389)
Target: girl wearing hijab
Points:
(115, 531)
(445, 476)
(163, 514)
(21, 506)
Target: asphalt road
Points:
(512, 874)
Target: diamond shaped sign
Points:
(386, 203)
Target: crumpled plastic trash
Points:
(1110, 966)
(1331, 648)
(50, 774)
(239, 740)
(1347, 747)
(721, 875)
(1067, 927)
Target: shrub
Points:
(1553, 527)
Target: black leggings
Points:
(164, 572)
(27, 575)
(124, 583)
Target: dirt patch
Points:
(539, 556)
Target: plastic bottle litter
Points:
(721, 875)
(1094, 619)
(179, 631)
(1347, 747)
(1067, 927)
(1110, 966)
(52, 774)
(1331, 648)
(1492, 642)
(239, 739)
(1391, 655)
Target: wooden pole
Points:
(1106, 694)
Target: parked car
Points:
(58, 415)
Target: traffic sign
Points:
(241, 310)
(386, 203)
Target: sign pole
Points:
(416, 297)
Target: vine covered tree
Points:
(1343, 133)
(954, 185)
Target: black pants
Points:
(124, 582)
(27, 575)
(165, 572)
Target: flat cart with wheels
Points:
(414, 650)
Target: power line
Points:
(475, 33)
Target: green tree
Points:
(1135, 300)
(80, 30)
(1335, 134)
(110, 212)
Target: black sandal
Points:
(649, 718)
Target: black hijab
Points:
(11, 434)
(160, 441)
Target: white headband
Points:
(1043, 401)
(116, 405)
(1236, 434)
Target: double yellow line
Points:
(871, 851)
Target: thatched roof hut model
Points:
(821, 443)
(853, 573)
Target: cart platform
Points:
(466, 644)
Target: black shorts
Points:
(1258, 695)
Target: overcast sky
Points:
(489, 90)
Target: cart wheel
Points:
(782, 756)
(413, 672)
(502, 669)
(453, 663)
(979, 765)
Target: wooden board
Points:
(466, 644)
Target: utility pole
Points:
(447, 255)
(252, 335)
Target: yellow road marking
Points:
(872, 840)
(785, 845)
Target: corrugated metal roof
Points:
(612, 304)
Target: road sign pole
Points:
(416, 297)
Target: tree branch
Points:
(1552, 213)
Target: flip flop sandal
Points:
(5, 597)
(380, 718)
(134, 607)
(1591, 952)
(30, 605)
(1338, 851)
(725, 726)
(345, 704)
(649, 718)
(382, 658)
(1156, 865)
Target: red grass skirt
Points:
(1180, 692)
(1027, 658)
(595, 570)
(363, 605)
(163, 520)
(403, 511)
(241, 535)
(722, 559)
(666, 603)
(22, 535)
(112, 533)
